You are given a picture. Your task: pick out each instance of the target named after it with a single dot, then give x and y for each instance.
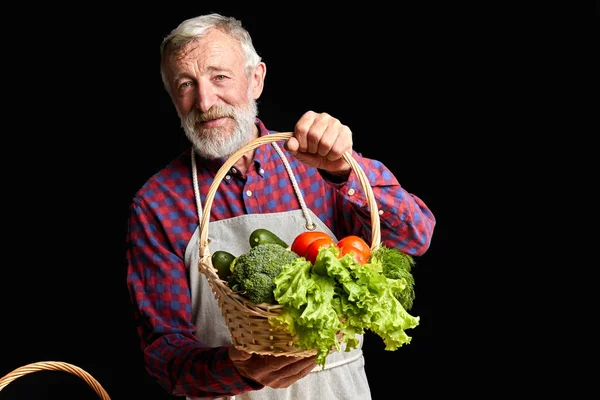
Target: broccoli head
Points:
(253, 272)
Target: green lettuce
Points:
(331, 302)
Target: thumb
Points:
(292, 145)
(238, 355)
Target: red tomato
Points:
(355, 244)
(313, 248)
(303, 240)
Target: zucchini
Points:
(261, 235)
(221, 261)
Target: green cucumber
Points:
(265, 236)
(221, 261)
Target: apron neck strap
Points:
(310, 225)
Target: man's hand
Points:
(276, 372)
(320, 141)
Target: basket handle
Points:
(55, 366)
(259, 141)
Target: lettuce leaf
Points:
(331, 302)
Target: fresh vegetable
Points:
(313, 248)
(397, 265)
(261, 235)
(307, 245)
(303, 241)
(356, 245)
(346, 300)
(253, 271)
(222, 260)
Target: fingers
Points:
(322, 135)
(296, 371)
(320, 141)
(290, 365)
(273, 371)
(238, 355)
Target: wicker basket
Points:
(54, 366)
(248, 322)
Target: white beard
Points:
(215, 143)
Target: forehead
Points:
(215, 50)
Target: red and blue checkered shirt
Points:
(164, 217)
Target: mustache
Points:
(214, 113)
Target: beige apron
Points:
(343, 377)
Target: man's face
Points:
(214, 97)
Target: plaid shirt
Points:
(163, 218)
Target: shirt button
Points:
(350, 192)
(227, 177)
(249, 193)
(261, 171)
(233, 170)
(380, 212)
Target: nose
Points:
(206, 96)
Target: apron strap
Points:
(196, 189)
(310, 225)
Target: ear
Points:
(257, 80)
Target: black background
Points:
(92, 122)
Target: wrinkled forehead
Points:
(213, 40)
(203, 55)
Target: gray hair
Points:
(194, 28)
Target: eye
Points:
(184, 86)
(220, 77)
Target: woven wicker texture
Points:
(54, 366)
(248, 322)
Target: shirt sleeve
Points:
(159, 290)
(406, 222)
